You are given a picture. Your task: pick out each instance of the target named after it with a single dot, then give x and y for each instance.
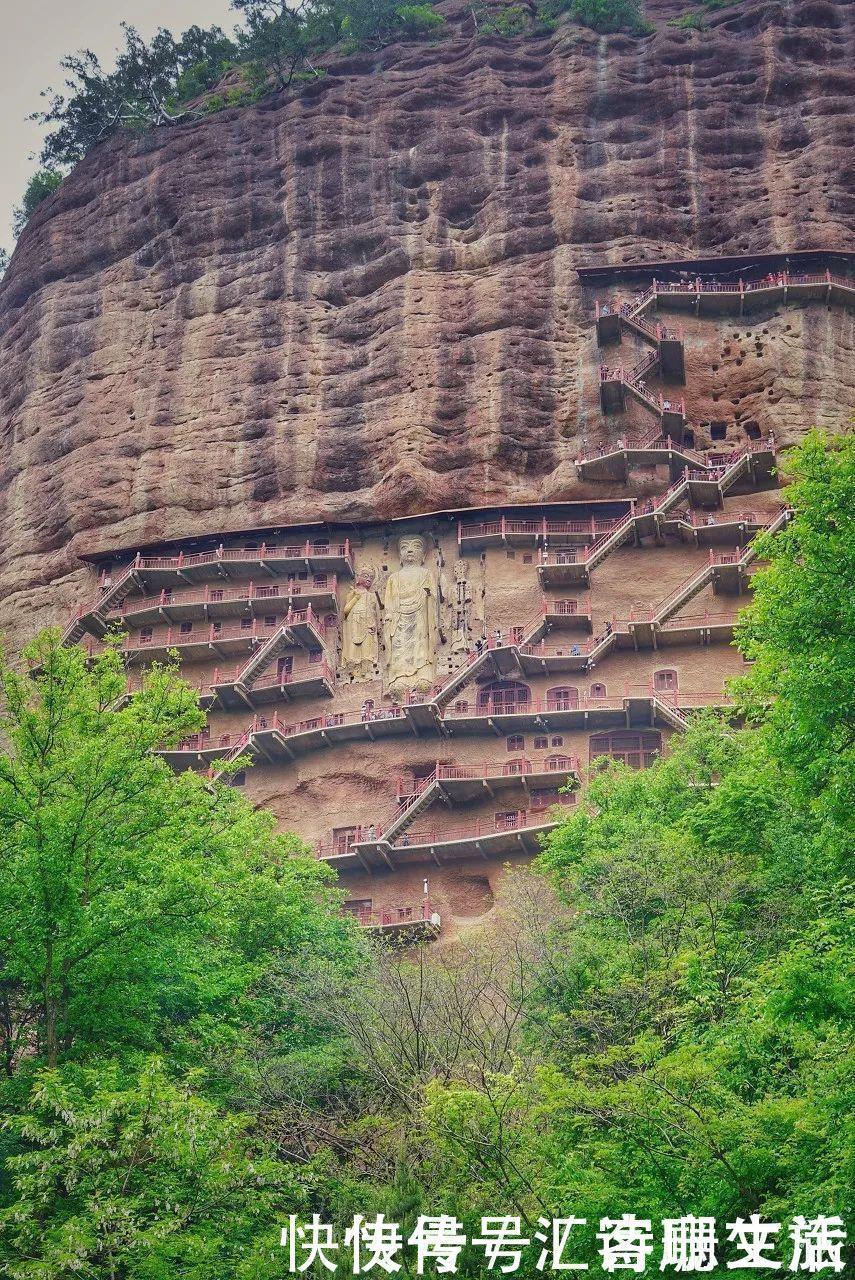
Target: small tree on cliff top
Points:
(143, 89)
(42, 184)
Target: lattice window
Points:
(638, 750)
(562, 698)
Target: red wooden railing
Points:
(298, 551)
(519, 820)
(386, 917)
(325, 585)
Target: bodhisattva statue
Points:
(411, 620)
(462, 610)
(360, 646)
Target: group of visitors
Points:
(370, 713)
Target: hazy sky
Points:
(36, 34)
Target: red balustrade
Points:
(391, 917)
(411, 787)
(297, 551)
(224, 595)
(519, 820)
(700, 620)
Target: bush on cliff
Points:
(600, 15)
(419, 19)
(41, 185)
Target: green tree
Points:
(133, 902)
(138, 1179)
(141, 91)
(41, 185)
(279, 39)
(687, 1041)
(600, 15)
(800, 628)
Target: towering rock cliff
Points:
(361, 299)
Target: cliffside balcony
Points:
(419, 923)
(608, 323)
(277, 739)
(217, 602)
(612, 389)
(712, 297)
(195, 643)
(515, 832)
(569, 710)
(507, 531)
(567, 615)
(504, 531)
(698, 628)
(576, 532)
(561, 568)
(465, 783)
(237, 687)
(729, 570)
(533, 715)
(150, 573)
(648, 449)
(579, 655)
(710, 529)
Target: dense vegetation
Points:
(194, 1044)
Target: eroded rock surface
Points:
(362, 300)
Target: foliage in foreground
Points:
(658, 1020)
(145, 920)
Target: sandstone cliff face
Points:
(362, 300)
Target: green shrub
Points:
(511, 21)
(42, 184)
(605, 16)
(419, 19)
(691, 20)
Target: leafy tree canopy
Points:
(133, 902)
(142, 90)
(138, 1178)
(800, 627)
